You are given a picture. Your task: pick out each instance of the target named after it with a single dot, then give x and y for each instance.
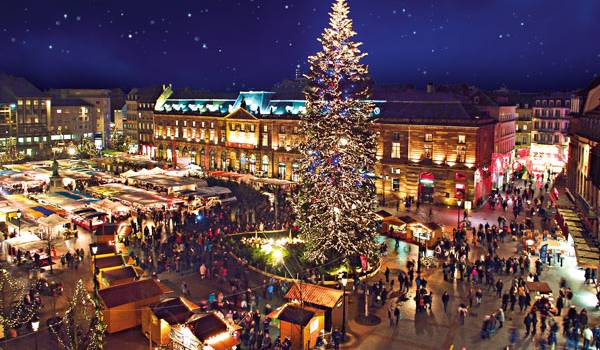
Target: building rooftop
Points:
(70, 102)
(11, 88)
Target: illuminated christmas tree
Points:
(15, 311)
(336, 202)
(82, 327)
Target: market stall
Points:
(113, 208)
(301, 324)
(114, 277)
(157, 319)
(53, 226)
(122, 304)
(205, 332)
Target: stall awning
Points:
(53, 220)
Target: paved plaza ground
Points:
(431, 330)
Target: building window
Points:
(462, 139)
(461, 154)
(395, 150)
(396, 171)
(265, 128)
(396, 136)
(556, 139)
(265, 140)
(282, 129)
(524, 127)
(395, 185)
(535, 137)
(428, 137)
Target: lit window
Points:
(59, 111)
(395, 150)
(462, 139)
(524, 127)
(428, 137)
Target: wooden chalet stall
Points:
(122, 305)
(301, 324)
(205, 332)
(157, 319)
(328, 300)
(110, 262)
(114, 277)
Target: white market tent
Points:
(109, 206)
(22, 238)
(156, 171)
(129, 173)
(53, 221)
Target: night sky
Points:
(251, 44)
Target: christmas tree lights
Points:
(336, 202)
(82, 327)
(15, 310)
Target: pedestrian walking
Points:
(397, 314)
(390, 313)
(445, 300)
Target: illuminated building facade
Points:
(583, 167)
(550, 140)
(434, 147)
(430, 146)
(24, 114)
(71, 120)
(97, 118)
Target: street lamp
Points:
(35, 326)
(19, 214)
(459, 202)
(344, 281)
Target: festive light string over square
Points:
(336, 202)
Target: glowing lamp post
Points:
(35, 326)
(19, 214)
(344, 281)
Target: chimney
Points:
(430, 88)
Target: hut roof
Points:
(173, 310)
(131, 292)
(296, 315)
(314, 294)
(204, 326)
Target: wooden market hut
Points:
(110, 262)
(328, 300)
(122, 304)
(208, 329)
(114, 277)
(301, 324)
(103, 250)
(157, 319)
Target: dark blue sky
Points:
(251, 44)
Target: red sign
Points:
(363, 262)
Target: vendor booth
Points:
(113, 208)
(301, 324)
(328, 300)
(157, 319)
(122, 305)
(114, 277)
(205, 332)
(53, 226)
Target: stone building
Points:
(583, 168)
(436, 147)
